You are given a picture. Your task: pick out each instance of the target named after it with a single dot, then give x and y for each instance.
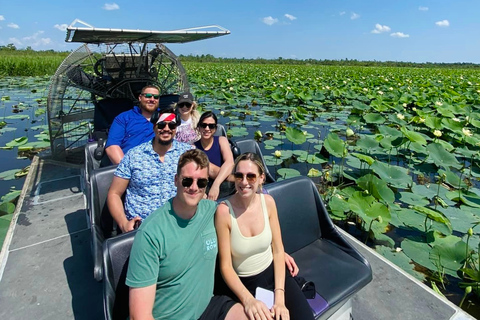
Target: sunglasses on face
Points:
(151, 95)
(185, 105)
(201, 183)
(211, 126)
(163, 124)
(251, 177)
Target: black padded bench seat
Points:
(322, 254)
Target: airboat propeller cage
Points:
(104, 76)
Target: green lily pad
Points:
(376, 187)
(6, 208)
(335, 146)
(393, 175)
(441, 157)
(401, 260)
(450, 254)
(419, 251)
(286, 173)
(294, 135)
(17, 142)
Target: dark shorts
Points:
(217, 308)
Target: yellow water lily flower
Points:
(400, 116)
(467, 132)
(278, 153)
(437, 133)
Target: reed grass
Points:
(29, 63)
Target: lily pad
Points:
(286, 173)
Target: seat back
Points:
(250, 145)
(220, 130)
(116, 252)
(297, 212)
(101, 179)
(107, 109)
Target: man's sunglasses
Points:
(201, 183)
(251, 177)
(211, 126)
(185, 105)
(150, 95)
(163, 124)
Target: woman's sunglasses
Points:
(163, 124)
(150, 95)
(185, 105)
(211, 126)
(201, 183)
(251, 177)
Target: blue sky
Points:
(389, 30)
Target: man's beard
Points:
(165, 143)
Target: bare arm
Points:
(225, 169)
(115, 204)
(141, 302)
(250, 304)
(114, 153)
(278, 259)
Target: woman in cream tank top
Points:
(250, 248)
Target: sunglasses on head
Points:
(185, 105)
(151, 95)
(201, 183)
(163, 124)
(211, 126)
(251, 177)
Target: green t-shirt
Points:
(179, 257)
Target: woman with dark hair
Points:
(250, 248)
(218, 152)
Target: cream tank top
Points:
(251, 255)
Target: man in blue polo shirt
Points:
(132, 127)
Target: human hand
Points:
(256, 309)
(129, 224)
(291, 265)
(280, 312)
(213, 192)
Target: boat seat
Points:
(101, 221)
(250, 145)
(116, 252)
(220, 130)
(322, 254)
(107, 109)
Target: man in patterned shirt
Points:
(147, 173)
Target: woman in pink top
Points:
(250, 247)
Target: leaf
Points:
(376, 187)
(369, 160)
(335, 146)
(450, 254)
(6, 208)
(286, 173)
(401, 260)
(374, 118)
(17, 142)
(413, 136)
(9, 174)
(314, 173)
(441, 157)
(294, 135)
(393, 175)
(434, 215)
(418, 251)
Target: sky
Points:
(389, 30)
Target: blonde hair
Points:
(194, 114)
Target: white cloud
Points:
(443, 23)
(290, 17)
(61, 27)
(111, 6)
(342, 13)
(379, 28)
(15, 41)
(399, 35)
(270, 20)
(2, 18)
(13, 26)
(423, 8)
(354, 16)
(35, 40)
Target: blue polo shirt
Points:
(129, 129)
(151, 181)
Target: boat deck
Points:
(46, 268)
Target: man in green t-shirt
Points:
(172, 262)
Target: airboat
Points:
(104, 76)
(47, 269)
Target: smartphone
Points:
(266, 296)
(137, 224)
